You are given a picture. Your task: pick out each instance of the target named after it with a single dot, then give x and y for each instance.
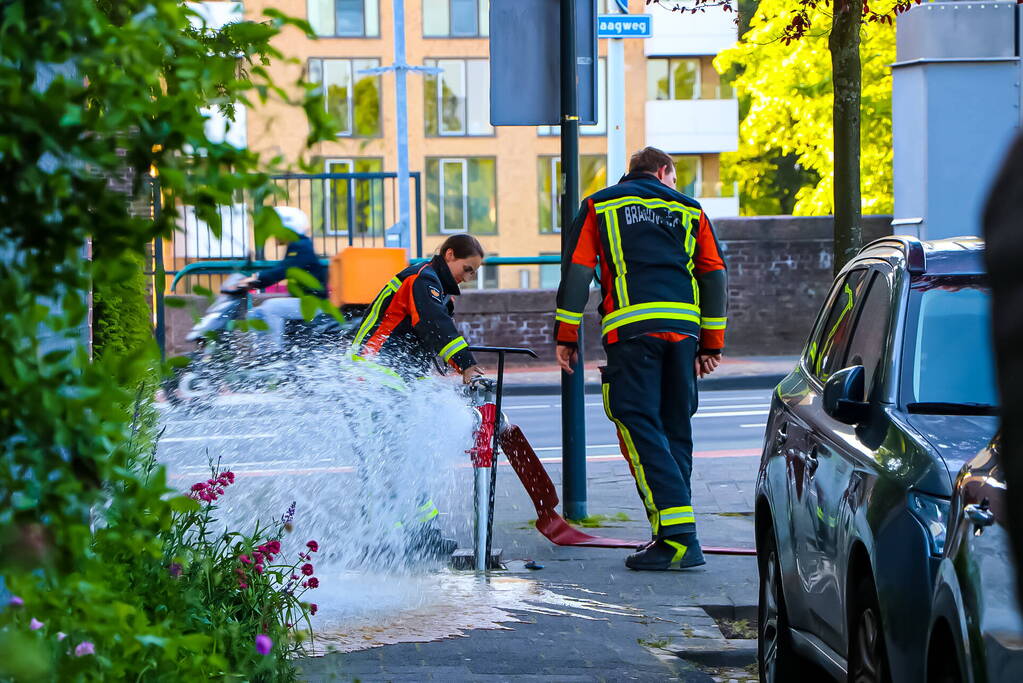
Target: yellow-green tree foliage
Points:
(787, 94)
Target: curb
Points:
(710, 384)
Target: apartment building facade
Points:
(501, 184)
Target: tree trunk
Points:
(844, 45)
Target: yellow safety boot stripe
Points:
(680, 550)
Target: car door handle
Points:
(811, 460)
(782, 435)
(979, 515)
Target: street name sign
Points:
(625, 26)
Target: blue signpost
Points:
(625, 26)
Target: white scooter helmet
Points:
(293, 219)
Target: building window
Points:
(487, 277)
(677, 78)
(339, 203)
(600, 127)
(352, 97)
(550, 273)
(592, 177)
(345, 18)
(688, 174)
(457, 100)
(461, 195)
(456, 18)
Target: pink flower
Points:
(307, 569)
(259, 569)
(313, 608)
(294, 577)
(35, 624)
(264, 644)
(242, 585)
(273, 547)
(245, 559)
(313, 582)
(313, 546)
(15, 601)
(229, 475)
(199, 487)
(257, 556)
(85, 648)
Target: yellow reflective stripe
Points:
(614, 204)
(563, 316)
(656, 310)
(390, 378)
(677, 515)
(428, 511)
(633, 454)
(680, 550)
(614, 237)
(713, 323)
(374, 312)
(453, 347)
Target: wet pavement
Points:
(584, 616)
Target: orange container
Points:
(357, 274)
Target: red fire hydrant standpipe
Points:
(492, 434)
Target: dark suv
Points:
(894, 392)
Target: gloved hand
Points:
(470, 372)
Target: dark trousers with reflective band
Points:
(650, 395)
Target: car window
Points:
(827, 351)
(868, 342)
(949, 343)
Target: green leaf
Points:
(155, 641)
(258, 324)
(183, 504)
(310, 304)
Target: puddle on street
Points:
(366, 611)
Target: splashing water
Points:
(364, 459)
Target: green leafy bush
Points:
(96, 94)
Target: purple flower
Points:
(313, 546)
(61, 635)
(174, 569)
(264, 644)
(307, 569)
(16, 601)
(85, 648)
(35, 624)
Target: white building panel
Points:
(703, 33)
(719, 207)
(693, 126)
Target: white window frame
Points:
(698, 181)
(440, 99)
(482, 21)
(554, 170)
(464, 163)
(349, 131)
(328, 165)
(320, 23)
(697, 82)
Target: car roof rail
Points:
(916, 260)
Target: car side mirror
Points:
(843, 396)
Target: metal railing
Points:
(344, 209)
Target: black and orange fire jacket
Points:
(660, 267)
(411, 321)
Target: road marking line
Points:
(215, 437)
(348, 469)
(736, 413)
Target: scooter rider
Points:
(300, 253)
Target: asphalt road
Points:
(250, 432)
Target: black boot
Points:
(674, 552)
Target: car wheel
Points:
(776, 658)
(942, 660)
(868, 659)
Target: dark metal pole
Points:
(573, 413)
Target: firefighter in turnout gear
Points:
(663, 310)
(409, 324)
(410, 321)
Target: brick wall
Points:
(779, 273)
(780, 270)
